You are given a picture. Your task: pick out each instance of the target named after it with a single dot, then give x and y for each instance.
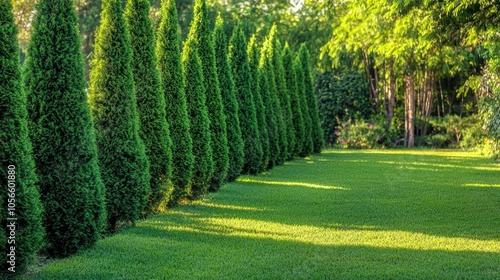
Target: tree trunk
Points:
(410, 110)
(391, 100)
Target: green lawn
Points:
(381, 214)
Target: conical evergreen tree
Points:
(172, 77)
(201, 36)
(122, 158)
(153, 129)
(60, 127)
(317, 132)
(17, 168)
(268, 60)
(284, 97)
(230, 105)
(291, 81)
(253, 62)
(307, 142)
(248, 117)
(199, 121)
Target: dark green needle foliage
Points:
(15, 152)
(153, 130)
(61, 131)
(172, 77)
(122, 158)
(201, 36)
(267, 61)
(291, 81)
(253, 61)
(199, 121)
(248, 118)
(307, 141)
(284, 97)
(230, 105)
(317, 132)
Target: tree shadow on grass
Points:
(196, 250)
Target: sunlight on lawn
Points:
(482, 185)
(300, 184)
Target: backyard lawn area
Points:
(376, 214)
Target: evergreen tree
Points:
(17, 168)
(291, 81)
(307, 142)
(199, 121)
(312, 103)
(172, 77)
(122, 158)
(248, 117)
(284, 97)
(200, 35)
(60, 128)
(253, 61)
(153, 129)
(230, 105)
(267, 61)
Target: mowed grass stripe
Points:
(343, 214)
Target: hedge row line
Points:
(155, 127)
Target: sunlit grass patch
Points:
(378, 214)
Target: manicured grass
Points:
(382, 214)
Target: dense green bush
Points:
(312, 102)
(122, 158)
(293, 92)
(153, 128)
(307, 141)
(453, 131)
(248, 118)
(199, 121)
(343, 95)
(172, 77)
(201, 36)
(230, 105)
(17, 168)
(359, 135)
(257, 91)
(60, 127)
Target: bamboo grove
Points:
(156, 124)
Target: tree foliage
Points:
(248, 118)
(257, 91)
(201, 36)
(151, 105)
(293, 92)
(122, 158)
(61, 132)
(230, 105)
(17, 168)
(307, 141)
(172, 77)
(199, 121)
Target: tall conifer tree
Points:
(172, 77)
(248, 118)
(201, 36)
(199, 121)
(284, 97)
(153, 129)
(267, 61)
(122, 158)
(17, 168)
(296, 110)
(230, 105)
(253, 61)
(312, 103)
(307, 141)
(60, 126)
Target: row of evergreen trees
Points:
(155, 127)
